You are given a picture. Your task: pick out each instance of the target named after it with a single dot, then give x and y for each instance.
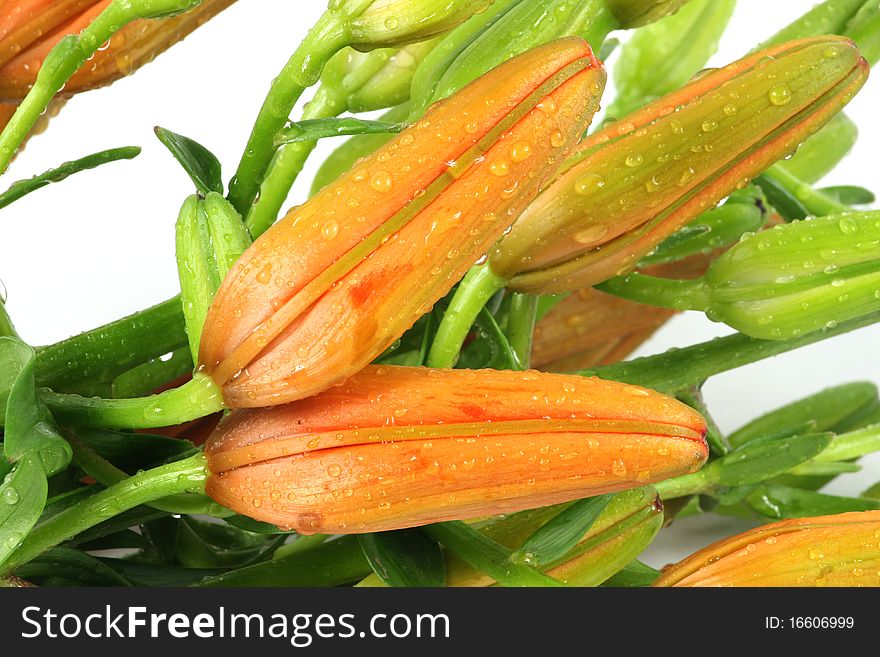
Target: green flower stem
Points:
(478, 286)
(186, 476)
(684, 369)
(696, 483)
(328, 36)
(663, 292)
(813, 200)
(521, 327)
(102, 354)
(107, 474)
(487, 556)
(68, 56)
(286, 164)
(191, 401)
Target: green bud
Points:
(617, 536)
(662, 57)
(507, 29)
(383, 23)
(364, 82)
(823, 151)
(210, 237)
(635, 13)
(798, 277)
(829, 17)
(781, 283)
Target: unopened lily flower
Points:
(328, 288)
(838, 550)
(632, 184)
(29, 29)
(397, 447)
(781, 283)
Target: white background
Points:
(101, 245)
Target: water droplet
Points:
(710, 125)
(265, 274)
(730, 109)
(848, 226)
(381, 181)
(591, 235)
(589, 182)
(499, 168)
(334, 470)
(635, 160)
(521, 151)
(471, 127)
(10, 496)
(557, 139)
(330, 230)
(780, 95)
(392, 22)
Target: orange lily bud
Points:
(29, 29)
(838, 550)
(329, 287)
(397, 447)
(643, 177)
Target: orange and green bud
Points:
(397, 447)
(838, 550)
(30, 29)
(642, 178)
(332, 285)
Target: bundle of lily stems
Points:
(418, 376)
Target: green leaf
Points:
(315, 129)
(487, 556)
(633, 574)
(22, 497)
(760, 460)
(823, 411)
(72, 565)
(131, 451)
(407, 557)
(30, 427)
(25, 187)
(786, 204)
(778, 502)
(255, 526)
(200, 164)
(561, 533)
(850, 194)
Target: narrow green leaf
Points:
(131, 451)
(255, 526)
(634, 574)
(200, 164)
(73, 565)
(407, 557)
(850, 194)
(22, 497)
(315, 129)
(561, 533)
(487, 556)
(823, 411)
(25, 187)
(777, 501)
(786, 204)
(760, 460)
(143, 379)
